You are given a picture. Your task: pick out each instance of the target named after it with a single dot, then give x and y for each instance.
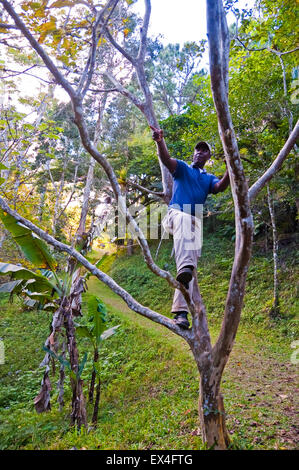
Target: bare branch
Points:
(7, 26)
(265, 48)
(71, 195)
(15, 73)
(276, 165)
(288, 52)
(119, 47)
(144, 190)
(130, 301)
(250, 49)
(244, 224)
(143, 31)
(124, 91)
(102, 90)
(38, 48)
(96, 34)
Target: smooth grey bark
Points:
(275, 307)
(210, 360)
(277, 163)
(145, 106)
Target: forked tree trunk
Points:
(210, 360)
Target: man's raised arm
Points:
(222, 184)
(166, 159)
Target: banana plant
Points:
(60, 358)
(96, 333)
(37, 287)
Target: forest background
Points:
(48, 177)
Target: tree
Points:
(210, 360)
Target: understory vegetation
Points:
(149, 394)
(93, 110)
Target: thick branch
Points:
(276, 165)
(143, 32)
(130, 301)
(244, 226)
(143, 189)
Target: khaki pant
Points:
(187, 241)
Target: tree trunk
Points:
(212, 415)
(275, 308)
(42, 202)
(60, 383)
(78, 414)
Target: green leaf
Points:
(81, 367)
(10, 286)
(83, 332)
(62, 361)
(3, 167)
(109, 332)
(30, 303)
(34, 249)
(62, 3)
(18, 272)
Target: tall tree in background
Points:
(210, 360)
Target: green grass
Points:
(149, 392)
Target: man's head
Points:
(202, 153)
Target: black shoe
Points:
(184, 276)
(181, 319)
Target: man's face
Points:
(201, 156)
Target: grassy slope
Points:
(150, 389)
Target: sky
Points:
(174, 21)
(180, 20)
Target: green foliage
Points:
(95, 328)
(149, 393)
(34, 249)
(39, 287)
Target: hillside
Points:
(149, 379)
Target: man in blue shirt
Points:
(191, 186)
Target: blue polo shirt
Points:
(191, 186)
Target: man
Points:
(192, 184)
